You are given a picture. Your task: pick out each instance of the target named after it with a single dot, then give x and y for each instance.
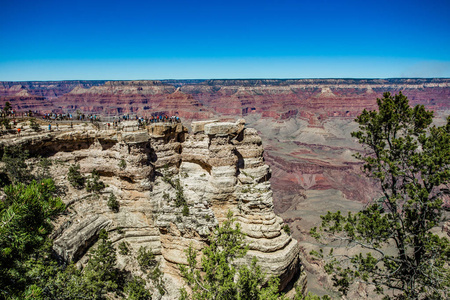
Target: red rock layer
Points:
(279, 99)
(312, 100)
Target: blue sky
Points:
(58, 40)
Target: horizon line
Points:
(238, 79)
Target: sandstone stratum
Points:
(279, 99)
(217, 167)
(304, 123)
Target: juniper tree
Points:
(75, 178)
(28, 267)
(409, 158)
(15, 165)
(4, 121)
(94, 184)
(25, 222)
(34, 125)
(219, 278)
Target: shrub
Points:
(157, 277)
(25, 223)
(147, 262)
(4, 122)
(122, 164)
(75, 178)
(287, 229)
(136, 290)
(34, 125)
(94, 184)
(185, 210)
(43, 171)
(219, 276)
(146, 258)
(123, 248)
(113, 204)
(245, 190)
(166, 196)
(15, 165)
(179, 198)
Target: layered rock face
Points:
(314, 114)
(280, 99)
(222, 168)
(218, 167)
(305, 123)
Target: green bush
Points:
(43, 171)
(220, 278)
(179, 197)
(75, 178)
(287, 229)
(113, 204)
(25, 222)
(100, 271)
(185, 210)
(166, 196)
(122, 164)
(34, 125)
(157, 278)
(28, 270)
(15, 167)
(146, 258)
(94, 184)
(4, 121)
(136, 290)
(123, 248)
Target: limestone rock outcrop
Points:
(218, 167)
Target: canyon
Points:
(304, 125)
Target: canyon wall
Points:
(309, 99)
(305, 124)
(216, 168)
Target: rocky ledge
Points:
(217, 167)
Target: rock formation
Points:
(200, 99)
(312, 116)
(217, 167)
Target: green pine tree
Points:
(410, 159)
(218, 278)
(25, 223)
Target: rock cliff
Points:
(312, 116)
(313, 112)
(317, 113)
(217, 167)
(201, 99)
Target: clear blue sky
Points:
(57, 40)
